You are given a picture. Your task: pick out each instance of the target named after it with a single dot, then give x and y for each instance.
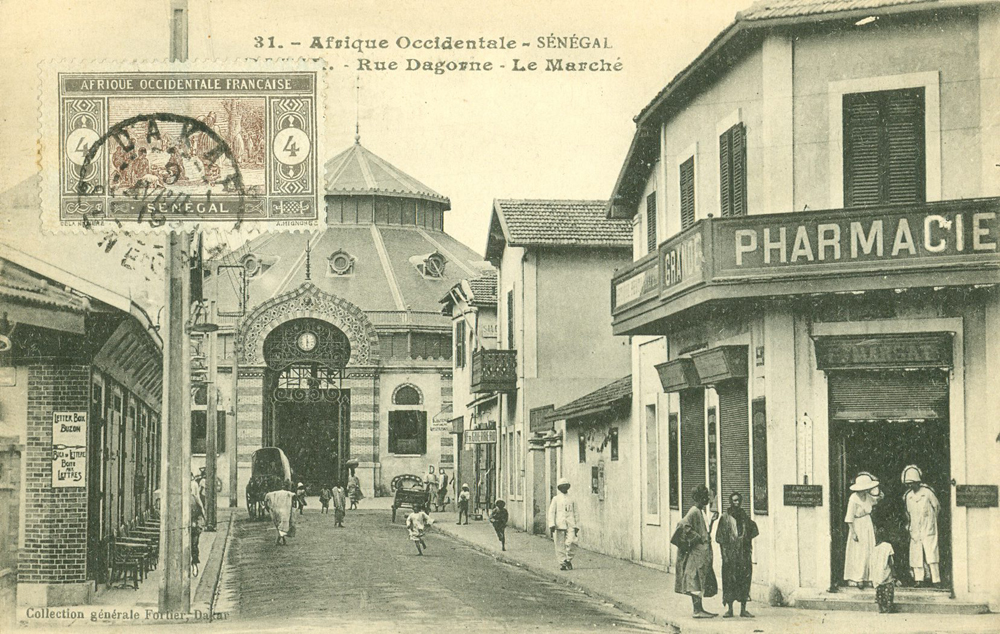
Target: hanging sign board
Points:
(481, 437)
(976, 495)
(803, 495)
(69, 450)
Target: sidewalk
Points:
(126, 606)
(649, 593)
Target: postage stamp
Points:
(176, 146)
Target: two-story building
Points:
(472, 306)
(552, 256)
(814, 202)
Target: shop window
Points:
(613, 441)
(713, 451)
(675, 463)
(651, 223)
(652, 463)
(581, 446)
(460, 343)
(687, 193)
(199, 428)
(692, 443)
(406, 395)
(759, 424)
(884, 159)
(733, 171)
(408, 432)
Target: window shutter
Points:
(739, 170)
(510, 320)
(905, 151)
(862, 178)
(687, 193)
(460, 344)
(651, 223)
(692, 442)
(726, 173)
(734, 432)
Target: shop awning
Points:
(601, 400)
(721, 363)
(458, 425)
(677, 375)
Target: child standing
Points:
(324, 499)
(882, 577)
(463, 504)
(417, 524)
(339, 506)
(300, 497)
(499, 517)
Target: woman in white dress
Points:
(861, 536)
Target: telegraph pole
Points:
(175, 515)
(211, 423)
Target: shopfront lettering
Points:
(888, 236)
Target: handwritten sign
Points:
(69, 450)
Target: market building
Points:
(554, 337)
(472, 306)
(814, 202)
(340, 348)
(80, 391)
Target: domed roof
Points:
(395, 273)
(357, 171)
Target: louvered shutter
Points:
(734, 433)
(687, 193)
(888, 395)
(904, 122)
(726, 173)
(862, 173)
(651, 223)
(692, 443)
(510, 320)
(739, 178)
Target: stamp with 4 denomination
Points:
(178, 145)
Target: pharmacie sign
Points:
(69, 450)
(797, 240)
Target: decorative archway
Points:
(308, 301)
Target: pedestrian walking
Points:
(499, 518)
(861, 533)
(463, 504)
(354, 490)
(339, 506)
(430, 486)
(922, 509)
(882, 576)
(735, 536)
(324, 499)
(300, 497)
(197, 520)
(279, 504)
(417, 524)
(442, 491)
(695, 576)
(564, 523)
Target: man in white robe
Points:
(279, 503)
(922, 509)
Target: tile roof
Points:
(769, 9)
(357, 171)
(599, 400)
(484, 288)
(559, 223)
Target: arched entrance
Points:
(306, 406)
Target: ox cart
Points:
(269, 472)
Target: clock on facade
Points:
(307, 341)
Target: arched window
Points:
(406, 395)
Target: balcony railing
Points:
(494, 371)
(946, 243)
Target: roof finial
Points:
(357, 111)
(308, 261)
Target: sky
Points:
(472, 136)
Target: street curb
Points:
(566, 580)
(222, 563)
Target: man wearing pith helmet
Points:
(922, 509)
(564, 522)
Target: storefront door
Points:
(881, 422)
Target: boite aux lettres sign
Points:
(803, 495)
(976, 495)
(69, 450)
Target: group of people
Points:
(695, 575)
(436, 485)
(869, 555)
(281, 503)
